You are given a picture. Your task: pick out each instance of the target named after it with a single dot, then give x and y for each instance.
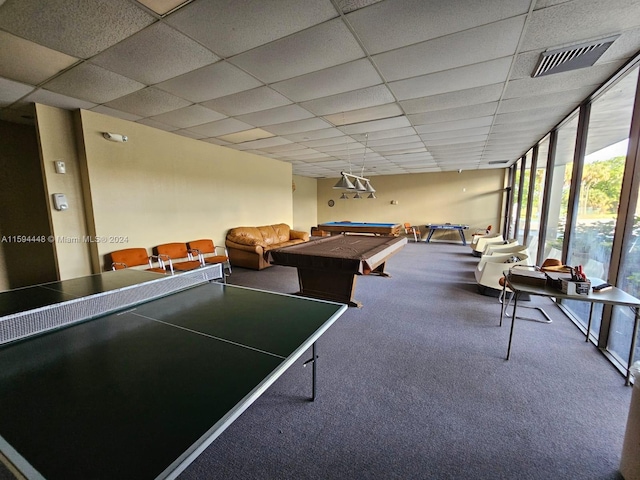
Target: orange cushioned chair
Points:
(175, 254)
(134, 257)
(205, 247)
(415, 231)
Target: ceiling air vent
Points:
(572, 58)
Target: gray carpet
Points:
(415, 385)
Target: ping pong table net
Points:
(21, 325)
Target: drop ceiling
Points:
(388, 86)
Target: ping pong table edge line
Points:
(16, 463)
(182, 462)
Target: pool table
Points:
(335, 228)
(328, 267)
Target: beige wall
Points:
(471, 197)
(57, 134)
(160, 187)
(23, 211)
(305, 203)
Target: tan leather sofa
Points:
(248, 246)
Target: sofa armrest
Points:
(248, 248)
(298, 235)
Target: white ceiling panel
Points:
(221, 127)
(476, 75)
(229, 28)
(376, 125)
(322, 46)
(455, 133)
(249, 101)
(44, 62)
(288, 113)
(261, 143)
(394, 24)
(189, 116)
(75, 27)
(365, 114)
(573, 22)
(213, 81)
(487, 42)
(155, 54)
(55, 100)
(148, 102)
(11, 91)
(343, 102)
(455, 125)
(458, 98)
(313, 82)
(298, 126)
(314, 135)
(330, 81)
(92, 83)
(551, 100)
(559, 82)
(248, 136)
(472, 111)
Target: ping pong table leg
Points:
(312, 360)
(464, 240)
(513, 322)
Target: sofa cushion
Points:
(245, 236)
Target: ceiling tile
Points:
(229, 28)
(325, 142)
(162, 7)
(255, 100)
(455, 133)
(455, 125)
(221, 127)
(330, 81)
(411, 146)
(365, 114)
(456, 141)
(189, 116)
(73, 26)
(156, 124)
(316, 48)
(11, 91)
(393, 24)
(112, 112)
(392, 141)
(92, 83)
(28, 62)
(288, 113)
(298, 126)
(147, 102)
(558, 82)
(343, 102)
(381, 134)
(459, 98)
(486, 73)
(571, 97)
(314, 135)
(476, 45)
(260, 143)
(189, 134)
(213, 81)
(439, 116)
(573, 22)
(375, 125)
(246, 136)
(155, 54)
(54, 100)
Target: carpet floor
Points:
(414, 385)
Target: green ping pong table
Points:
(97, 383)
